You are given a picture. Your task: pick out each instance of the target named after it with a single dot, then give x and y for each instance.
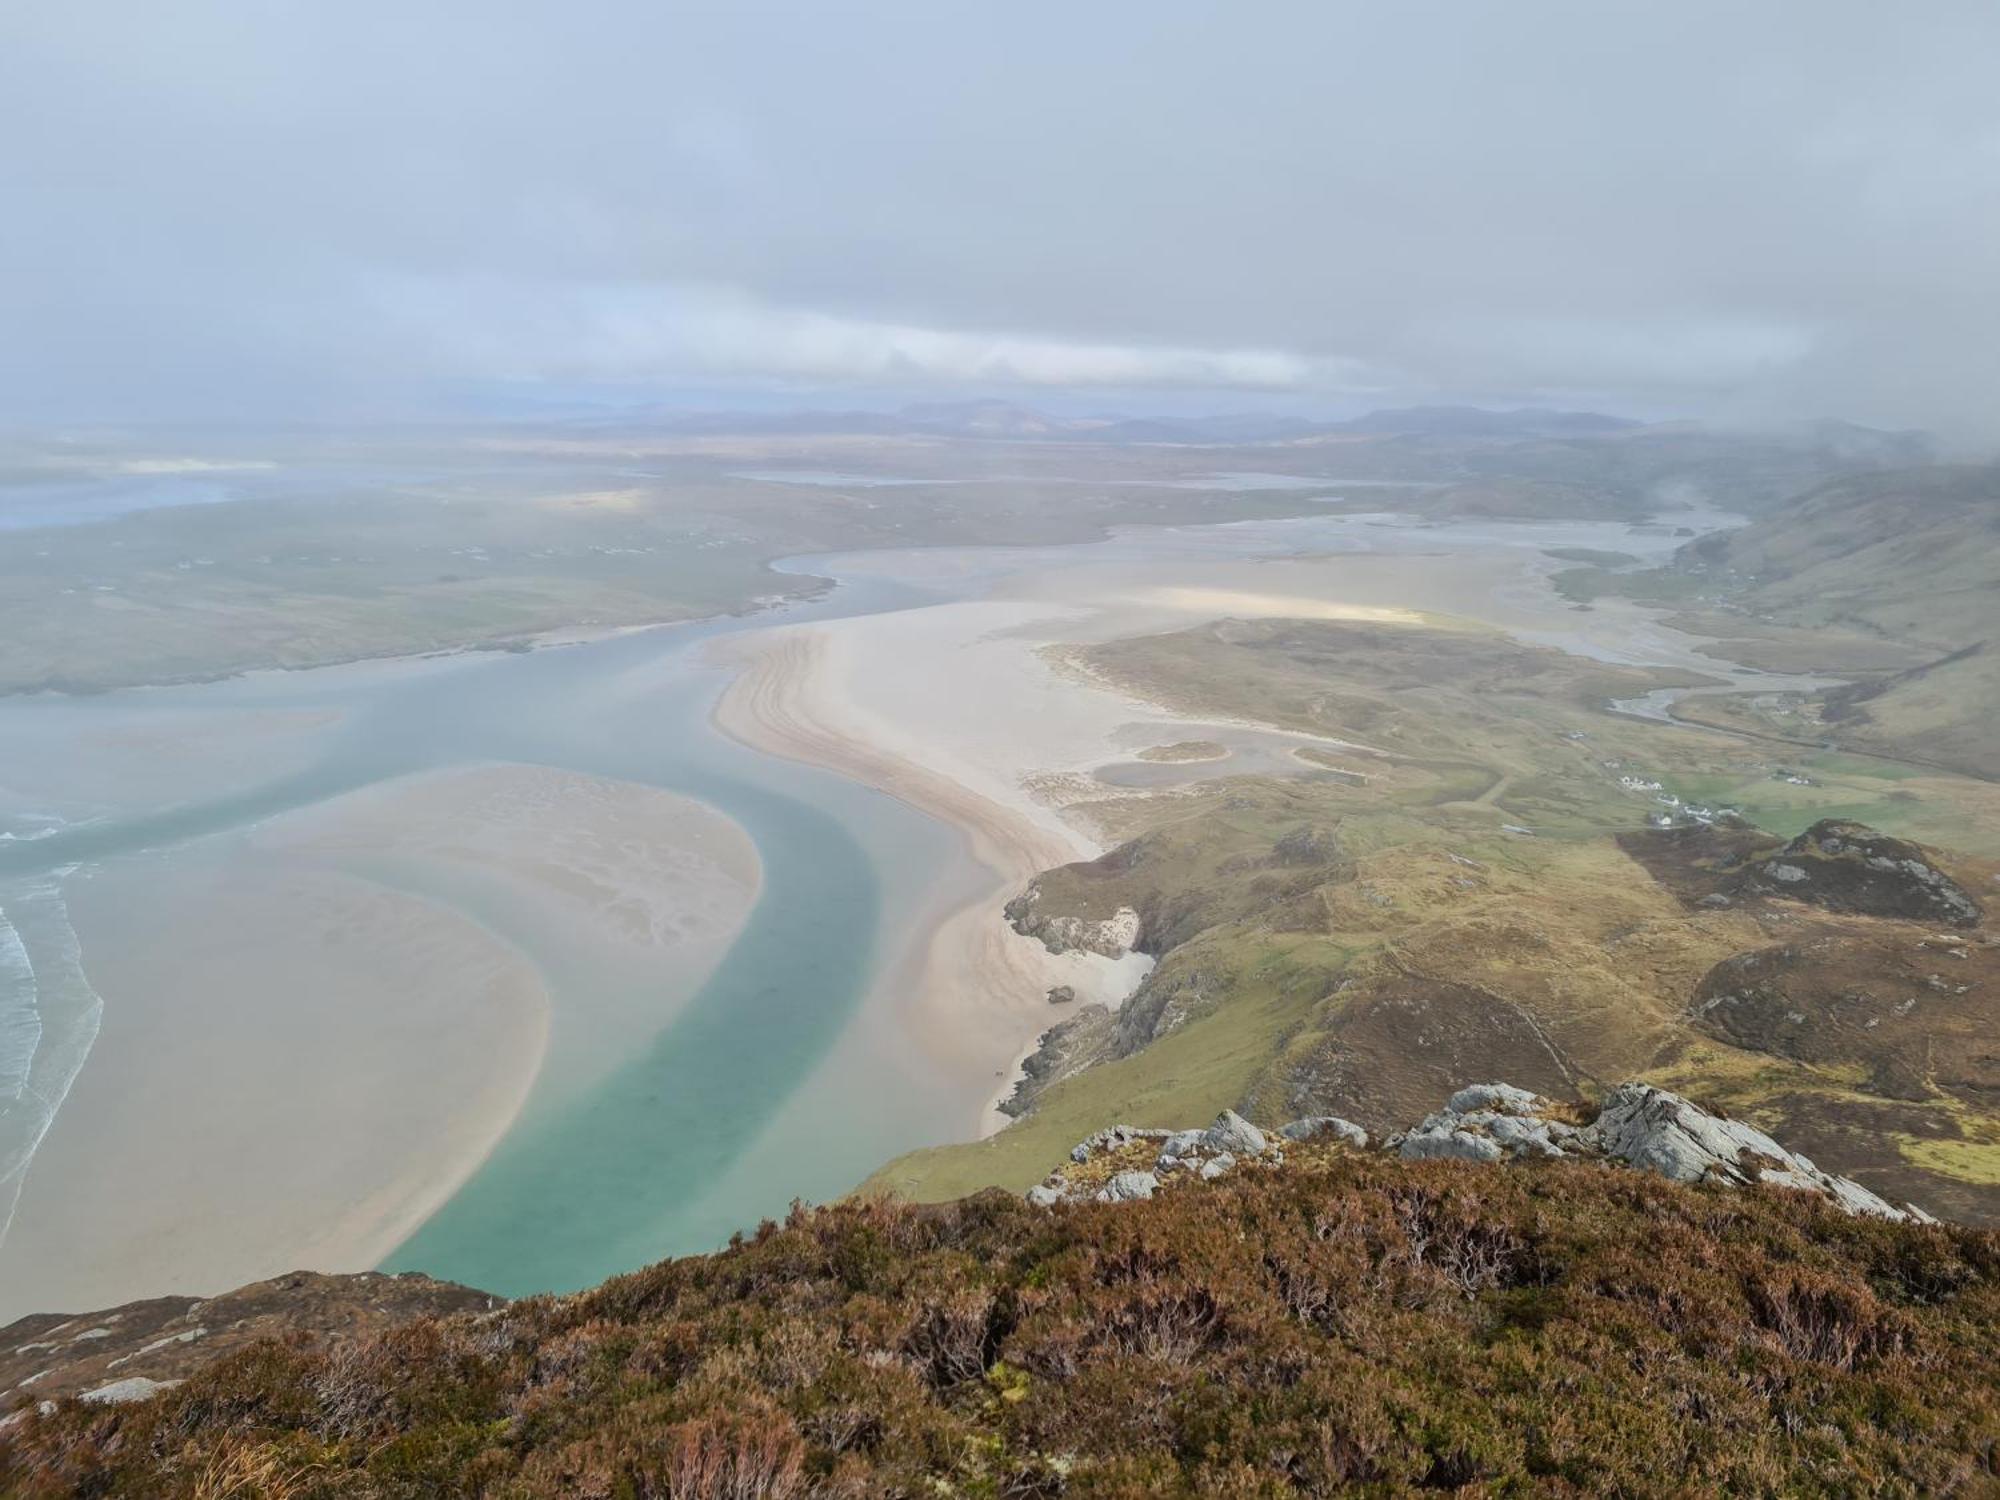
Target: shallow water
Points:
(771, 1082)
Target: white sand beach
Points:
(974, 991)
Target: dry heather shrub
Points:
(1356, 1322)
(756, 1455)
(949, 1336)
(1818, 1317)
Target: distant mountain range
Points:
(1009, 421)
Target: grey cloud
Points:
(1781, 209)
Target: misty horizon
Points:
(1738, 217)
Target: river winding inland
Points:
(643, 1120)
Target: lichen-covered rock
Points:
(132, 1388)
(1498, 1098)
(1181, 1149)
(1232, 1133)
(1637, 1126)
(1126, 1186)
(1112, 1137)
(1438, 1137)
(1326, 1128)
(1489, 1121)
(1665, 1133)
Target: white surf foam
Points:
(49, 1019)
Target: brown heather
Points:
(1346, 1324)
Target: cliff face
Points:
(1340, 1318)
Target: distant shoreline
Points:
(553, 639)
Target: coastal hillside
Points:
(1910, 554)
(1318, 1319)
(1890, 579)
(1489, 872)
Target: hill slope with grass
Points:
(1476, 890)
(1890, 579)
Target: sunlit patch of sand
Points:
(604, 502)
(1243, 603)
(296, 1067)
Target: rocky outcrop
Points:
(1112, 937)
(1849, 867)
(131, 1388)
(1637, 1125)
(1111, 1138)
(1487, 1122)
(1124, 1187)
(1232, 1133)
(1126, 1162)
(1064, 1049)
(1326, 1128)
(127, 1353)
(1310, 844)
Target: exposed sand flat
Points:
(295, 1067)
(958, 711)
(309, 1043)
(1252, 604)
(639, 866)
(627, 896)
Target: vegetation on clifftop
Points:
(1337, 1324)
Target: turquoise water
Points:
(648, 1160)
(617, 1177)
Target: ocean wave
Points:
(49, 1019)
(26, 828)
(20, 1017)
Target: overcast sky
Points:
(1785, 208)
